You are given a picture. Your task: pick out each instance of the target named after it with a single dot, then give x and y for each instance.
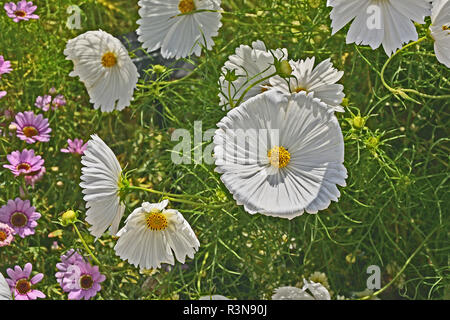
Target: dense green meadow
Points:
(393, 213)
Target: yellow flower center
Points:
(279, 157)
(109, 60)
(2, 236)
(300, 89)
(23, 286)
(30, 131)
(18, 219)
(446, 28)
(156, 220)
(186, 6)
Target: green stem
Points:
(404, 266)
(85, 245)
(251, 86)
(179, 198)
(400, 91)
(166, 194)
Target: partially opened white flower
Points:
(281, 155)
(104, 66)
(376, 22)
(151, 233)
(100, 180)
(440, 30)
(179, 27)
(317, 292)
(5, 291)
(321, 81)
(250, 65)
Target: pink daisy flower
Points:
(67, 270)
(76, 147)
(6, 235)
(24, 162)
(32, 128)
(2, 94)
(58, 101)
(34, 177)
(5, 66)
(43, 102)
(21, 284)
(23, 10)
(20, 216)
(88, 284)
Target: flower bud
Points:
(157, 68)
(68, 217)
(358, 122)
(284, 69)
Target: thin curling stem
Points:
(402, 92)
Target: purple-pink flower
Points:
(43, 102)
(32, 128)
(24, 162)
(76, 147)
(23, 10)
(34, 177)
(89, 280)
(2, 94)
(6, 235)
(58, 101)
(5, 66)
(21, 284)
(66, 269)
(20, 216)
(77, 277)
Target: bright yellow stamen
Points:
(186, 6)
(2, 236)
(279, 157)
(300, 89)
(109, 60)
(156, 220)
(30, 131)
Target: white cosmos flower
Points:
(151, 233)
(376, 22)
(104, 66)
(214, 297)
(318, 292)
(250, 65)
(281, 155)
(5, 291)
(440, 30)
(321, 81)
(175, 27)
(100, 179)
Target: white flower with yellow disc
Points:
(281, 155)
(104, 66)
(153, 234)
(178, 27)
(440, 30)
